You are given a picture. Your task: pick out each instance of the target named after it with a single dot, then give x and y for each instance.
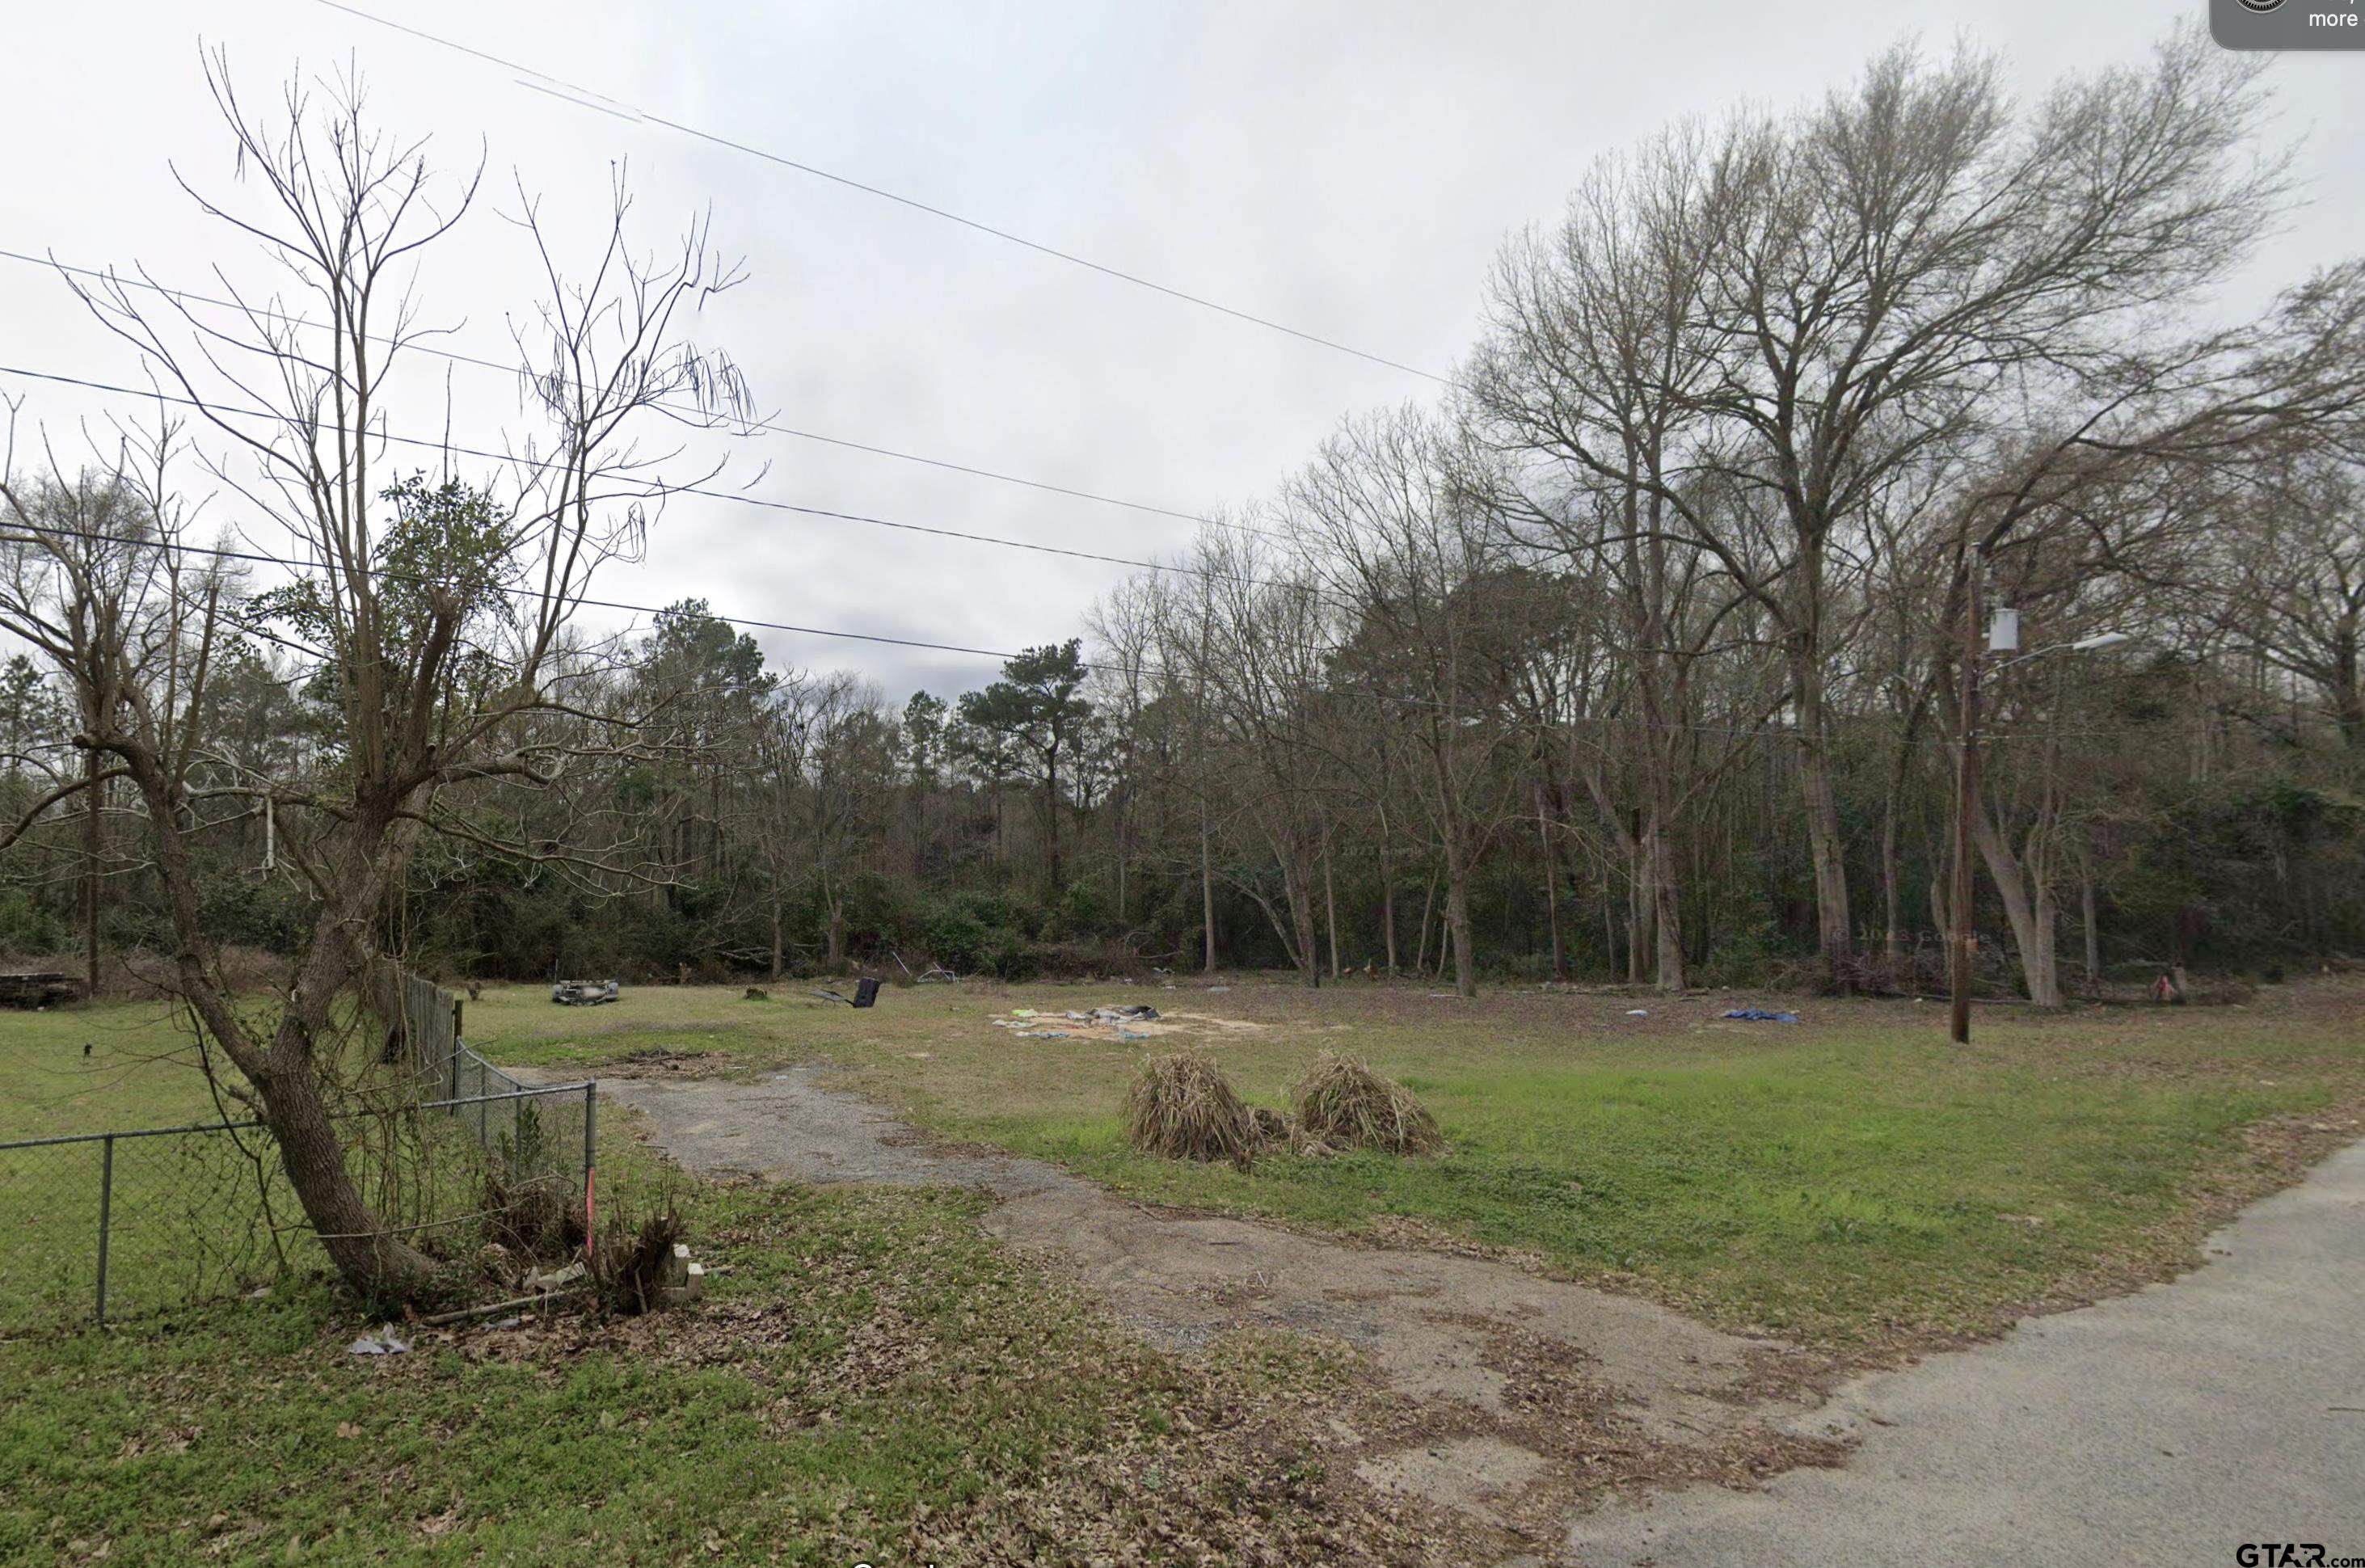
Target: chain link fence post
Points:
(105, 1215)
(590, 1137)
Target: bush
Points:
(1344, 1104)
(957, 939)
(1080, 912)
(1182, 1107)
(632, 1267)
(1011, 957)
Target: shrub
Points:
(1182, 1107)
(632, 1267)
(957, 939)
(1345, 1104)
(1011, 957)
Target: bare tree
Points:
(430, 612)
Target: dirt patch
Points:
(1469, 1475)
(1532, 1392)
(657, 1062)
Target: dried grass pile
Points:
(1342, 1103)
(1183, 1108)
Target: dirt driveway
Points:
(1510, 1398)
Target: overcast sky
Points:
(1348, 169)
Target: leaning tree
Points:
(426, 615)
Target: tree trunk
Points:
(1665, 915)
(1300, 893)
(1051, 817)
(1639, 905)
(374, 1264)
(97, 792)
(1206, 891)
(1329, 898)
(1427, 906)
(780, 942)
(1457, 917)
(1891, 908)
(1551, 888)
(2030, 916)
(2087, 917)
(1826, 845)
(1119, 805)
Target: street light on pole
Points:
(2003, 637)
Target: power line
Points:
(767, 426)
(583, 98)
(261, 558)
(737, 497)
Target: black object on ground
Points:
(44, 990)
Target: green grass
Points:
(1850, 1179)
(872, 1379)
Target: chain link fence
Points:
(96, 1227)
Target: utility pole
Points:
(2003, 637)
(1962, 937)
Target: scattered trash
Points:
(936, 977)
(535, 1280)
(1638, 1013)
(1759, 1015)
(684, 1281)
(384, 1343)
(866, 992)
(506, 1323)
(1217, 989)
(1035, 1024)
(583, 993)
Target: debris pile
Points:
(38, 990)
(583, 993)
(1182, 1107)
(1029, 1024)
(1342, 1104)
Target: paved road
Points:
(2164, 1428)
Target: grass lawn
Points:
(1851, 1179)
(872, 1378)
(875, 1380)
